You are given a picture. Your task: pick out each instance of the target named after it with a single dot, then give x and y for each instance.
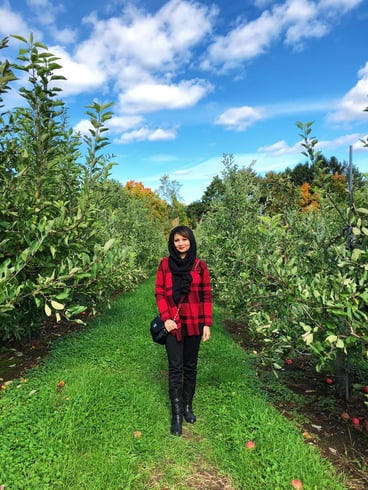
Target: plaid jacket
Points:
(196, 310)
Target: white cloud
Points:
(352, 105)
(46, 13)
(292, 21)
(123, 123)
(162, 134)
(83, 126)
(117, 124)
(81, 77)
(280, 148)
(179, 173)
(345, 140)
(146, 134)
(152, 44)
(243, 43)
(188, 22)
(64, 36)
(239, 118)
(12, 23)
(153, 97)
(339, 5)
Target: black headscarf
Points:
(180, 268)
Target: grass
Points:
(108, 426)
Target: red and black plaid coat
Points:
(196, 311)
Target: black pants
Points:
(182, 357)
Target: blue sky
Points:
(192, 80)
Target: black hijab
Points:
(180, 268)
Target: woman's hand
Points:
(206, 333)
(170, 325)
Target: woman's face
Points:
(182, 244)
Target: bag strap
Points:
(182, 299)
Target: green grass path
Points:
(108, 427)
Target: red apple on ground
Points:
(355, 421)
(329, 381)
(297, 484)
(288, 361)
(250, 445)
(345, 416)
(365, 389)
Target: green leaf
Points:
(53, 251)
(308, 338)
(340, 344)
(57, 306)
(109, 244)
(63, 295)
(355, 256)
(331, 339)
(48, 310)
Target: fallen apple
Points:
(365, 389)
(288, 361)
(345, 416)
(329, 381)
(250, 445)
(297, 484)
(355, 421)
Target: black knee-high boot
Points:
(177, 413)
(188, 393)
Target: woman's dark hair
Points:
(183, 231)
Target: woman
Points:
(184, 300)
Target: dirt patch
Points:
(16, 358)
(202, 476)
(319, 414)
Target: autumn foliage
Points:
(309, 201)
(158, 207)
